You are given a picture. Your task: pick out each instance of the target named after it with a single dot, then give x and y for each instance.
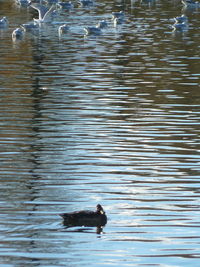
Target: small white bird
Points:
(92, 31)
(181, 19)
(23, 3)
(180, 27)
(30, 27)
(65, 5)
(96, 30)
(102, 24)
(85, 3)
(191, 3)
(45, 13)
(118, 18)
(3, 23)
(118, 21)
(119, 14)
(18, 34)
(63, 29)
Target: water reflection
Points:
(110, 120)
(85, 229)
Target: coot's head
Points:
(100, 209)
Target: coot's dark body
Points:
(85, 217)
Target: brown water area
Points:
(110, 119)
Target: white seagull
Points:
(63, 29)
(180, 27)
(117, 21)
(3, 22)
(44, 12)
(92, 31)
(23, 3)
(65, 5)
(18, 34)
(119, 15)
(102, 24)
(31, 27)
(191, 3)
(181, 19)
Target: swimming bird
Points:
(119, 14)
(30, 27)
(45, 13)
(93, 30)
(85, 3)
(96, 30)
(3, 22)
(85, 217)
(118, 18)
(180, 26)
(181, 19)
(102, 24)
(117, 21)
(190, 3)
(65, 5)
(63, 29)
(18, 34)
(23, 3)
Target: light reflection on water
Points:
(111, 120)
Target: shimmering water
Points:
(111, 120)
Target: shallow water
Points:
(112, 119)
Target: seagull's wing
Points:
(49, 12)
(42, 10)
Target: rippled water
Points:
(111, 120)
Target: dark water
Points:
(111, 120)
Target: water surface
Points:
(111, 120)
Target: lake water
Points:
(112, 119)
